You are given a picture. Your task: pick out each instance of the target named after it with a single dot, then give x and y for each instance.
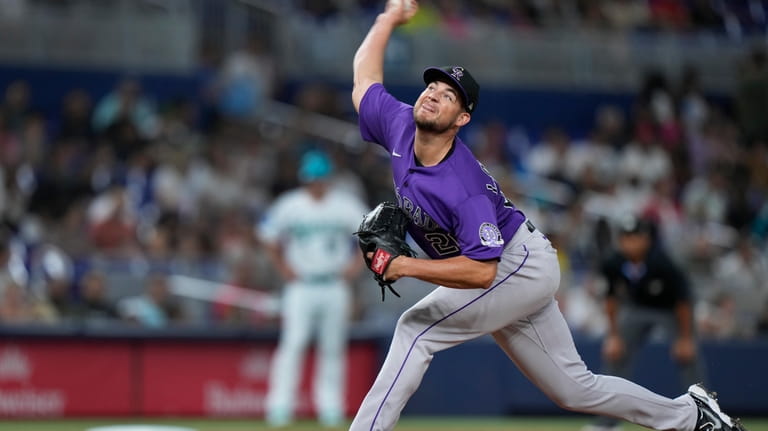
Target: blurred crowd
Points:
(734, 18)
(692, 166)
(112, 207)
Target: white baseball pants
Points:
(321, 310)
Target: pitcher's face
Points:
(439, 108)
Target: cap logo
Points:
(458, 72)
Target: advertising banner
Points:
(231, 378)
(66, 377)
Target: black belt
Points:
(530, 226)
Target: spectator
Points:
(705, 198)
(591, 163)
(112, 223)
(16, 105)
(592, 16)
(15, 306)
(693, 104)
(95, 307)
(213, 183)
(705, 16)
(75, 117)
(656, 116)
(742, 275)
(10, 144)
(669, 15)
(18, 304)
(34, 141)
(548, 158)
(15, 185)
(124, 138)
(752, 97)
(159, 241)
(12, 269)
(60, 181)
(503, 148)
(716, 318)
(626, 15)
(154, 308)
(178, 125)
(665, 211)
(643, 162)
(454, 17)
(126, 104)
(247, 80)
(741, 208)
(66, 233)
(54, 284)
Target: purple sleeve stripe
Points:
(413, 344)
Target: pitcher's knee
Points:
(575, 396)
(414, 317)
(572, 402)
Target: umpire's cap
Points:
(633, 225)
(459, 78)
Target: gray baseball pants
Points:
(520, 312)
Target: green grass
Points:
(406, 424)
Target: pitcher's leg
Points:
(447, 317)
(633, 329)
(415, 340)
(543, 349)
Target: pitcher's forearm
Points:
(368, 64)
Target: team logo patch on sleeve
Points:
(490, 235)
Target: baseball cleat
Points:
(711, 418)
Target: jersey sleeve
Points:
(378, 109)
(477, 229)
(272, 224)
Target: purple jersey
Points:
(456, 207)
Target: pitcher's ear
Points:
(463, 119)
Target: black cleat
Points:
(711, 418)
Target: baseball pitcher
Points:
(496, 273)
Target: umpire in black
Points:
(646, 292)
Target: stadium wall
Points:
(162, 374)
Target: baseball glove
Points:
(382, 233)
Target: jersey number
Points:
(442, 243)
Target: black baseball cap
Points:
(459, 78)
(632, 225)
